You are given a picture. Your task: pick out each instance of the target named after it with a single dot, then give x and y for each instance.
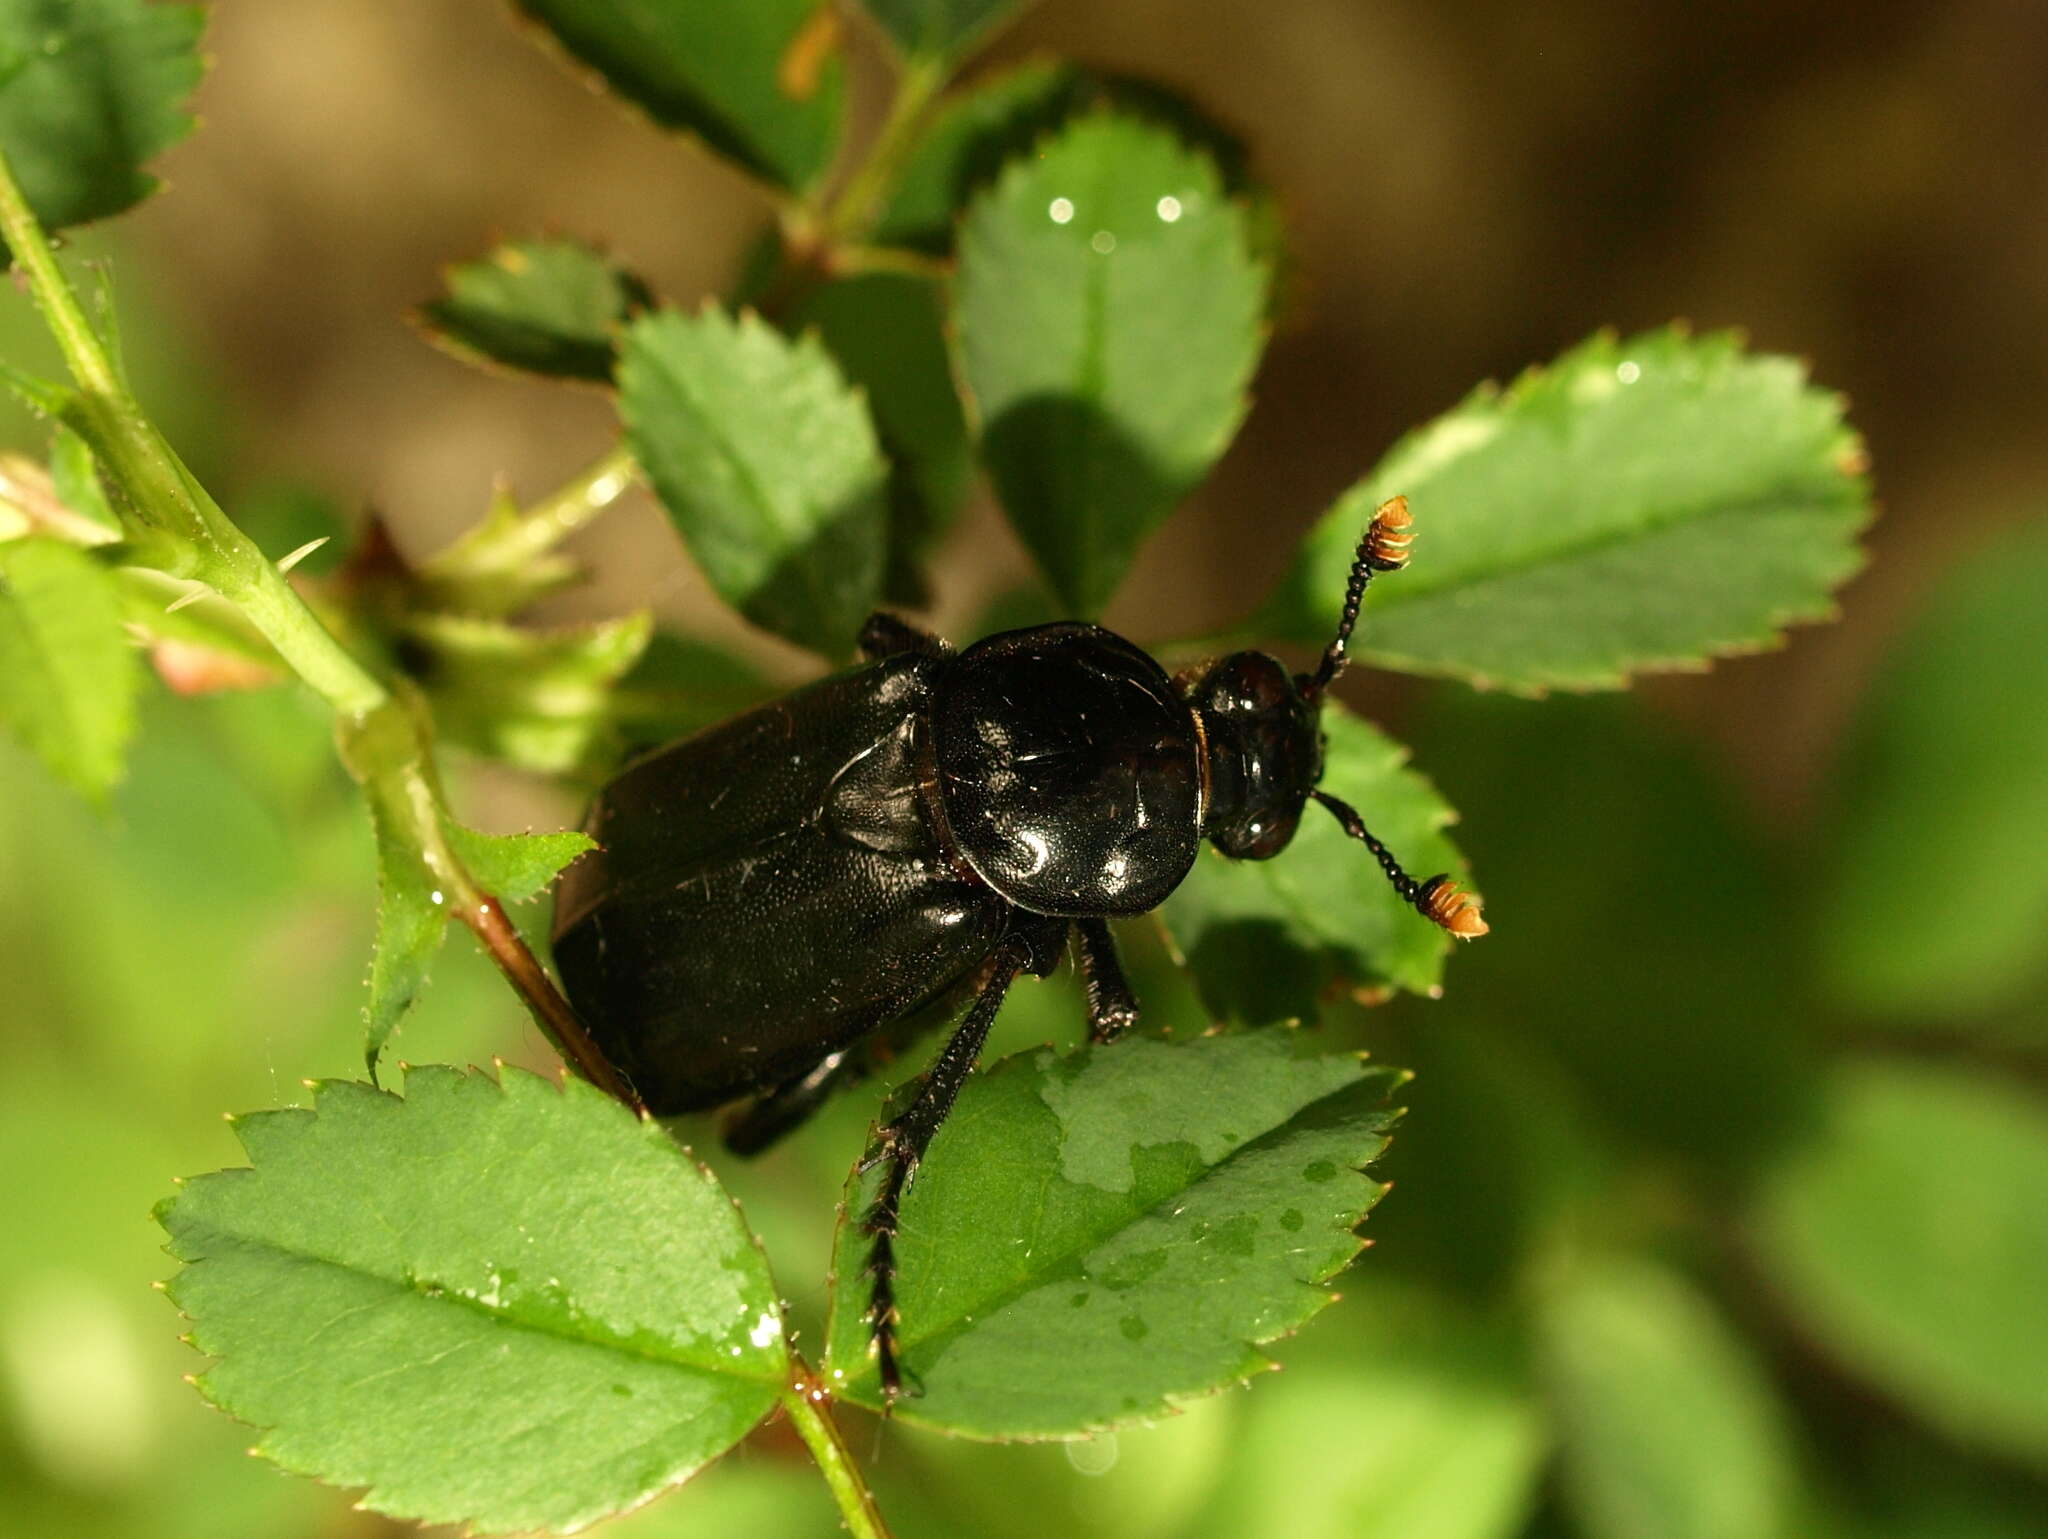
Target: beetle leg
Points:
(783, 1108)
(902, 1144)
(884, 635)
(1112, 1010)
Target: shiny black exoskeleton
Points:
(769, 894)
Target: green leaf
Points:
(1927, 913)
(887, 331)
(1266, 937)
(515, 867)
(1639, 504)
(1093, 1238)
(1419, 1427)
(89, 90)
(767, 465)
(539, 699)
(500, 1304)
(759, 81)
(413, 901)
(412, 921)
(941, 29)
(1000, 117)
(44, 397)
(1109, 313)
(1907, 1238)
(549, 307)
(971, 135)
(1670, 1429)
(76, 480)
(67, 674)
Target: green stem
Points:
(53, 294)
(805, 1400)
(180, 529)
(853, 212)
(175, 526)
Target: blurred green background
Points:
(1722, 1204)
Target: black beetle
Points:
(770, 893)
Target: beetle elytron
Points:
(770, 893)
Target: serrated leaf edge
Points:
(511, 1083)
(1253, 1361)
(640, 300)
(1719, 347)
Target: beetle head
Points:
(1265, 743)
(1265, 753)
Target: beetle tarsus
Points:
(1438, 900)
(1112, 1008)
(885, 635)
(901, 1143)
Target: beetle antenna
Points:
(1439, 899)
(1383, 548)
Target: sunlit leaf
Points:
(1935, 909)
(1669, 1427)
(1095, 1237)
(1640, 504)
(1908, 1239)
(515, 867)
(67, 674)
(767, 465)
(549, 307)
(1109, 313)
(1266, 937)
(513, 1306)
(89, 91)
(759, 81)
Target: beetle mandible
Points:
(768, 894)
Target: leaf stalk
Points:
(852, 213)
(805, 1401)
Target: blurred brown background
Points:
(1469, 188)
